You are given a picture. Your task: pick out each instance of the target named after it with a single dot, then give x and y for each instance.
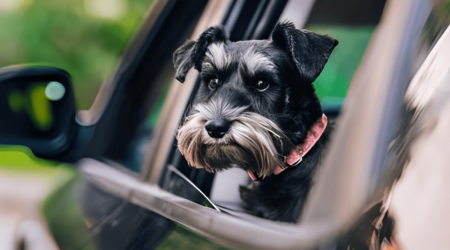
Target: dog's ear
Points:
(182, 60)
(309, 51)
(192, 53)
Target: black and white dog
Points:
(256, 109)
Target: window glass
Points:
(352, 23)
(333, 83)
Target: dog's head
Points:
(256, 101)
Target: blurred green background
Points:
(84, 37)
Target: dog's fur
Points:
(264, 125)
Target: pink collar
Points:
(297, 154)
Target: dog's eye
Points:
(262, 86)
(213, 83)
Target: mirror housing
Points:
(37, 110)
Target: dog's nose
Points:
(217, 128)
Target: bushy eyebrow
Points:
(251, 61)
(217, 58)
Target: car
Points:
(128, 199)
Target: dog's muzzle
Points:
(218, 136)
(217, 128)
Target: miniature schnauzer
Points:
(256, 109)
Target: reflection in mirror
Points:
(36, 109)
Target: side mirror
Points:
(37, 109)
